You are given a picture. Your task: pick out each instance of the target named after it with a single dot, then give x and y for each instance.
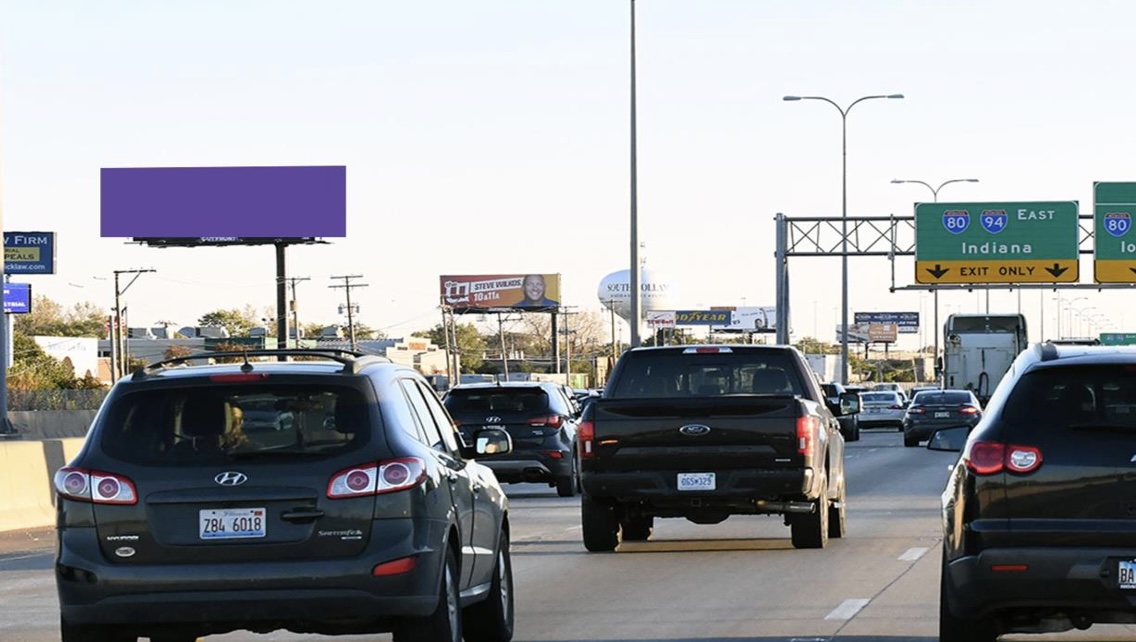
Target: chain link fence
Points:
(55, 399)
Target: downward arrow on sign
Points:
(1056, 270)
(939, 271)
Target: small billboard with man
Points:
(491, 292)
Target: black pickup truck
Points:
(705, 432)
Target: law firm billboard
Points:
(29, 252)
(492, 292)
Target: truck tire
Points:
(637, 528)
(600, 525)
(810, 530)
(837, 512)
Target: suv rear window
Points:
(189, 424)
(1065, 396)
(501, 400)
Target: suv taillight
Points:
(95, 486)
(807, 428)
(586, 436)
(551, 420)
(992, 457)
(387, 476)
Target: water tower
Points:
(614, 292)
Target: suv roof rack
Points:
(352, 360)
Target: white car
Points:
(881, 408)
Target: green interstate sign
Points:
(1118, 338)
(1012, 242)
(1114, 242)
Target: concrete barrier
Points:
(27, 496)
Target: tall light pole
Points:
(633, 275)
(935, 198)
(843, 215)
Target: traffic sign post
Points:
(1114, 245)
(1026, 242)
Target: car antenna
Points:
(246, 367)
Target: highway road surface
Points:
(738, 581)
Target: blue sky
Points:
(492, 137)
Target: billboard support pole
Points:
(282, 301)
(556, 341)
(501, 334)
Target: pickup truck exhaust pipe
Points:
(802, 508)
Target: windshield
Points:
(178, 425)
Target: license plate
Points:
(942, 415)
(232, 523)
(696, 481)
(1126, 574)
(873, 410)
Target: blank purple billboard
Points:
(224, 201)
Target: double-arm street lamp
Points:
(843, 215)
(935, 198)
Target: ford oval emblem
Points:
(694, 430)
(124, 551)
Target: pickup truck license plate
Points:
(1126, 574)
(942, 415)
(231, 523)
(696, 481)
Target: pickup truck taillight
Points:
(807, 428)
(586, 436)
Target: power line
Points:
(347, 285)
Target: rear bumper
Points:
(302, 595)
(924, 430)
(529, 467)
(1067, 579)
(737, 491)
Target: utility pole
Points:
(118, 333)
(347, 285)
(295, 309)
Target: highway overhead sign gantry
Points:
(1114, 243)
(1011, 242)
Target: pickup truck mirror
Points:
(849, 403)
(949, 439)
(490, 441)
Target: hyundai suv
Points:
(539, 417)
(191, 511)
(1039, 512)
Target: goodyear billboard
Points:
(492, 292)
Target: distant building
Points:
(81, 352)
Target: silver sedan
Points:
(883, 408)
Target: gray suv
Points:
(331, 495)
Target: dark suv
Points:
(539, 417)
(191, 511)
(1039, 513)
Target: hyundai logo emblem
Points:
(231, 478)
(694, 430)
(493, 420)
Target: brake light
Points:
(895, 406)
(95, 486)
(991, 457)
(806, 431)
(968, 410)
(586, 436)
(244, 377)
(387, 476)
(706, 350)
(551, 420)
(916, 411)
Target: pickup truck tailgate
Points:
(720, 433)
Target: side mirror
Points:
(849, 403)
(949, 439)
(491, 441)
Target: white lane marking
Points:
(913, 554)
(847, 609)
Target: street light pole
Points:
(935, 198)
(633, 276)
(843, 215)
